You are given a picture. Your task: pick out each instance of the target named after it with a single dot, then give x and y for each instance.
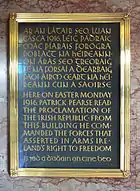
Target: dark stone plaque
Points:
(49, 61)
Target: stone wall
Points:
(72, 184)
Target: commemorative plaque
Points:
(69, 95)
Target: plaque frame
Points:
(124, 21)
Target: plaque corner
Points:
(126, 174)
(13, 173)
(13, 16)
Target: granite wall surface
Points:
(70, 184)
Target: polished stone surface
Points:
(70, 184)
